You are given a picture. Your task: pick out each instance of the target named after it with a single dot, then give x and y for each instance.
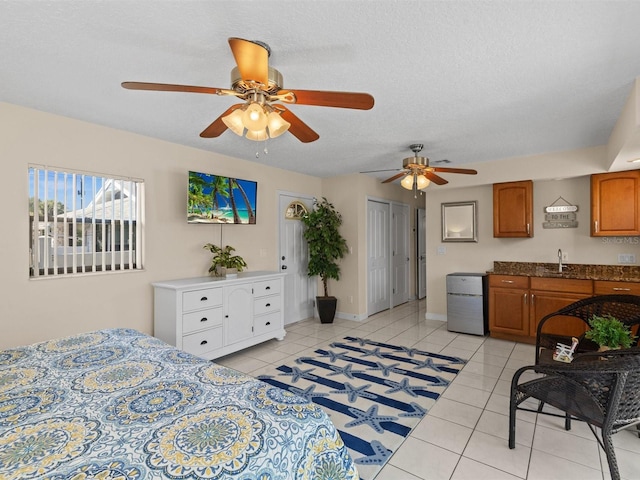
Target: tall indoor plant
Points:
(326, 247)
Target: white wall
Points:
(543, 247)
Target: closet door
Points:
(400, 253)
(378, 263)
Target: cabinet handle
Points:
(268, 288)
(203, 319)
(204, 299)
(203, 342)
(595, 225)
(268, 323)
(524, 297)
(528, 229)
(268, 305)
(533, 297)
(620, 289)
(506, 281)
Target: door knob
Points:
(284, 267)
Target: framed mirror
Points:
(459, 221)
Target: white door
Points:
(421, 250)
(400, 253)
(378, 248)
(299, 289)
(238, 313)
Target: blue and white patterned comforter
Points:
(120, 404)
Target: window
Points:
(83, 223)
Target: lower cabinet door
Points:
(508, 311)
(238, 313)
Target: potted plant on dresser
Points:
(609, 333)
(326, 247)
(223, 262)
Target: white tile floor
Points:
(464, 436)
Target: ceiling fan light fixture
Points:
(257, 135)
(407, 182)
(422, 182)
(254, 117)
(276, 124)
(234, 122)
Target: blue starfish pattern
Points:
(361, 341)
(308, 392)
(380, 456)
(375, 352)
(402, 386)
(417, 411)
(426, 363)
(354, 392)
(296, 374)
(370, 417)
(333, 356)
(346, 371)
(410, 351)
(385, 369)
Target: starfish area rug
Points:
(375, 393)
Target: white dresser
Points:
(212, 317)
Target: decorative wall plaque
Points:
(560, 216)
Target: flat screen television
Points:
(218, 199)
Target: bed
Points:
(118, 404)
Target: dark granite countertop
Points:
(619, 273)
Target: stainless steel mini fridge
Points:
(467, 303)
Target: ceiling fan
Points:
(418, 174)
(262, 114)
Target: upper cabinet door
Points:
(615, 204)
(513, 209)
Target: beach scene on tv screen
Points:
(219, 199)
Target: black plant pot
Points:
(326, 308)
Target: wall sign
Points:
(560, 216)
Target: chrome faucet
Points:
(560, 266)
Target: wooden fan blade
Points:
(467, 171)
(252, 60)
(359, 101)
(167, 87)
(298, 128)
(395, 177)
(435, 178)
(385, 170)
(218, 127)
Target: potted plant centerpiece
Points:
(609, 332)
(223, 262)
(326, 247)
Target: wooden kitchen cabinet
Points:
(513, 209)
(608, 287)
(615, 204)
(548, 295)
(508, 306)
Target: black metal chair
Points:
(603, 393)
(625, 308)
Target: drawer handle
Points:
(268, 305)
(268, 288)
(268, 323)
(226, 316)
(203, 342)
(620, 289)
(204, 299)
(203, 319)
(506, 281)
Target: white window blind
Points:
(82, 222)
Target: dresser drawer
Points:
(201, 319)
(202, 342)
(199, 299)
(601, 287)
(266, 323)
(268, 287)
(266, 305)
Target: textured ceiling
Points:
(473, 80)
